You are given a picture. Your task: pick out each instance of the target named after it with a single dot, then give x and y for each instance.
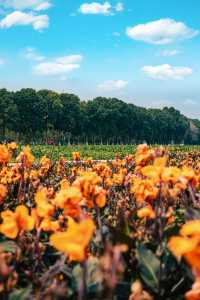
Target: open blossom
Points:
(93, 194)
(119, 177)
(49, 225)
(144, 190)
(16, 222)
(75, 155)
(74, 241)
(12, 146)
(143, 155)
(45, 165)
(26, 157)
(188, 244)
(43, 205)
(155, 171)
(5, 155)
(102, 170)
(69, 200)
(146, 212)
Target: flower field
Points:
(75, 228)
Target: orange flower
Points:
(64, 184)
(48, 225)
(191, 228)
(190, 175)
(75, 155)
(146, 212)
(154, 171)
(188, 244)
(43, 206)
(26, 157)
(75, 240)
(69, 200)
(45, 165)
(5, 155)
(144, 190)
(143, 154)
(171, 175)
(103, 170)
(12, 146)
(100, 197)
(119, 178)
(17, 222)
(91, 192)
(3, 192)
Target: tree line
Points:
(47, 116)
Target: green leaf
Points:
(93, 278)
(23, 294)
(8, 246)
(149, 267)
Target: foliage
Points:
(48, 116)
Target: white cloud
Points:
(18, 18)
(112, 85)
(167, 53)
(43, 6)
(96, 8)
(25, 4)
(119, 7)
(161, 32)
(58, 66)
(164, 72)
(31, 54)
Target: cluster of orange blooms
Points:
(154, 179)
(68, 208)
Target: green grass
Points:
(95, 151)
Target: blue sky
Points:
(141, 51)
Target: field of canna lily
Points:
(128, 228)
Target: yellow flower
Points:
(154, 171)
(143, 155)
(64, 184)
(48, 225)
(26, 157)
(146, 212)
(75, 155)
(43, 206)
(16, 222)
(75, 240)
(12, 146)
(144, 190)
(191, 228)
(92, 194)
(190, 175)
(69, 200)
(171, 175)
(5, 155)
(188, 244)
(45, 165)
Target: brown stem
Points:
(83, 286)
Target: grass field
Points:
(98, 152)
